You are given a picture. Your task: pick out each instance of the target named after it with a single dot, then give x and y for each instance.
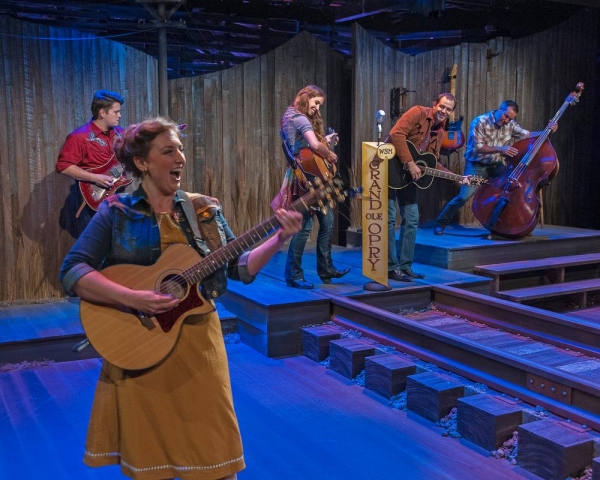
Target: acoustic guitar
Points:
(133, 340)
(315, 166)
(94, 194)
(454, 138)
(399, 176)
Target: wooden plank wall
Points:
(233, 117)
(233, 144)
(538, 72)
(47, 80)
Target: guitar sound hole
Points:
(174, 285)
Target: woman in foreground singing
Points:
(175, 419)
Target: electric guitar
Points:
(94, 194)
(454, 138)
(133, 340)
(399, 176)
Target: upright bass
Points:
(509, 205)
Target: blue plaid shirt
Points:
(483, 131)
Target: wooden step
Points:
(577, 289)
(387, 374)
(432, 395)
(315, 341)
(554, 450)
(488, 420)
(347, 356)
(552, 268)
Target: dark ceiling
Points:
(209, 35)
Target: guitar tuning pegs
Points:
(322, 206)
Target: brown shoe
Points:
(300, 283)
(335, 273)
(410, 273)
(398, 276)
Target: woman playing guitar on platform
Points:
(303, 135)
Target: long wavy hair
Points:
(137, 138)
(301, 104)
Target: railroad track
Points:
(542, 358)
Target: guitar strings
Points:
(177, 285)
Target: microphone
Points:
(379, 116)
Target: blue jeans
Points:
(401, 256)
(293, 264)
(467, 191)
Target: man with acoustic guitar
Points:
(420, 129)
(87, 155)
(490, 140)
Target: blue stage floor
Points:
(299, 421)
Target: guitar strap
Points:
(289, 156)
(190, 214)
(298, 187)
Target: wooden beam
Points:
(584, 3)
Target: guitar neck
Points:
(435, 172)
(452, 91)
(232, 250)
(217, 259)
(453, 87)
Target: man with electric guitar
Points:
(418, 132)
(87, 156)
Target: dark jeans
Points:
(68, 220)
(293, 264)
(467, 191)
(400, 256)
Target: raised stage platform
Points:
(269, 316)
(461, 248)
(448, 260)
